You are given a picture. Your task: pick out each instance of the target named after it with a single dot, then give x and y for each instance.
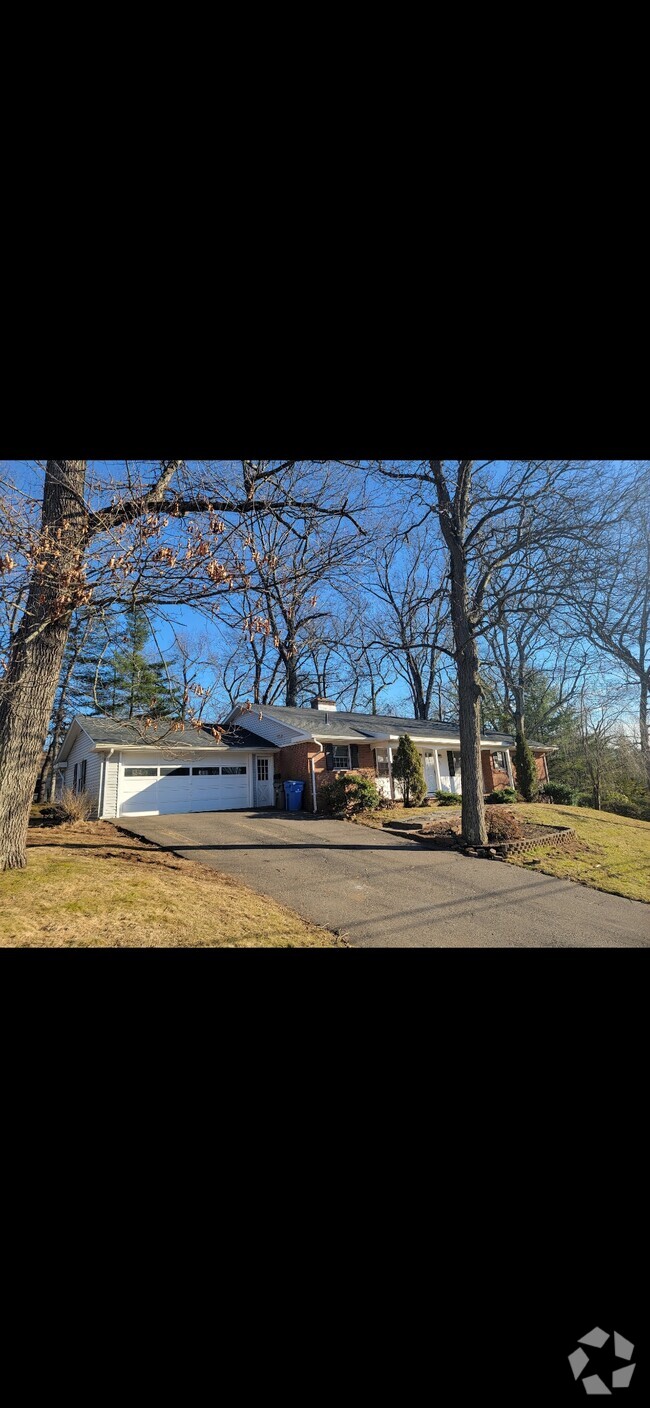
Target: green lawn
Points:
(617, 857)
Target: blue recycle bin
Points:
(293, 795)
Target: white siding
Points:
(277, 733)
(83, 747)
(110, 785)
(383, 787)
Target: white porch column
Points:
(437, 766)
(389, 755)
(509, 767)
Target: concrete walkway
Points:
(381, 891)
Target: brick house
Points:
(131, 770)
(315, 742)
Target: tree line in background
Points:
(513, 596)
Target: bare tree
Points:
(101, 537)
(290, 572)
(607, 582)
(410, 581)
(598, 724)
(527, 640)
(80, 633)
(193, 674)
(351, 665)
(489, 515)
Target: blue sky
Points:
(28, 477)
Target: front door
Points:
(430, 771)
(264, 782)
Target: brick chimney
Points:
(318, 703)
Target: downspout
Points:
(391, 784)
(102, 790)
(312, 770)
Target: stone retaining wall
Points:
(498, 850)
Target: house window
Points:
(262, 769)
(341, 755)
(82, 776)
(382, 764)
(205, 772)
(499, 761)
(140, 772)
(230, 772)
(174, 772)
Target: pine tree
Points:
(126, 682)
(527, 780)
(407, 769)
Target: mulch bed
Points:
(446, 834)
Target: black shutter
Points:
(354, 755)
(329, 756)
(74, 779)
(452, 765)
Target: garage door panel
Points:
(149, 787)
(139, 789)
(223, 790)
(174, 789)
(205, 788)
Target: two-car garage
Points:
(197, 772)
(148, 786)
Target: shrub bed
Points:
(349, 793)
(501, 794)
(502, 826)
(557, 792)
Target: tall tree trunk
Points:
(257, 682)
(416, 685)
(291, 692)
(453, 523)
(47, 766)
(289, 655)
(36, 653)
(469, 718)
(643, 730)
(469, 710)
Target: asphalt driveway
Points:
(381, 891)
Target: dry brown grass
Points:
(398, 812)
(88, 886)
(74, 806)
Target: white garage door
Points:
(150, 788)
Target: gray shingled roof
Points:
(105, 730)
(333, 723)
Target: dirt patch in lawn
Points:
(384, 816)
(451, 828)
(88, 885)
